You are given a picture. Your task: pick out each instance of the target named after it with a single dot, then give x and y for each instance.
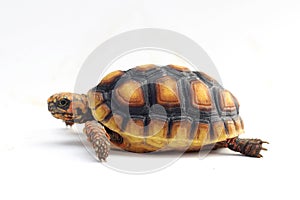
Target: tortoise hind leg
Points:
(248, 147)
(99, 138)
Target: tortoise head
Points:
(70, 107)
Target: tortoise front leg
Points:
(99, 138)
(248, 147)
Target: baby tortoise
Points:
(151, 108)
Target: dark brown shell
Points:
(167, 107)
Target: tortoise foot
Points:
(248, 147)
(97, 135)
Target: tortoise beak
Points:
(51, 107)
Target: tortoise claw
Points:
(264, 149)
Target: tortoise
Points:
(156, 108)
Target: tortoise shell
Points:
(150, 108)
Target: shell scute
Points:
(109, 78)
(201, 97)
(130, 93)
(167, 92)
(227, 101)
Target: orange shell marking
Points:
(179, 68)
(231, 128)
(219, 132)
(201, 96)
(201, 136)
(239, 125)
(102, 111)
(180, 132)
(157, 133)
(145, 67)
(111, 77)
(130, 93)
(227, 102)
(167, 91)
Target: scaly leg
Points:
(99, 138)
(248, 147)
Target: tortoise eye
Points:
(63, 103)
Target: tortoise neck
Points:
(80, 109)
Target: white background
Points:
(254, 44)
